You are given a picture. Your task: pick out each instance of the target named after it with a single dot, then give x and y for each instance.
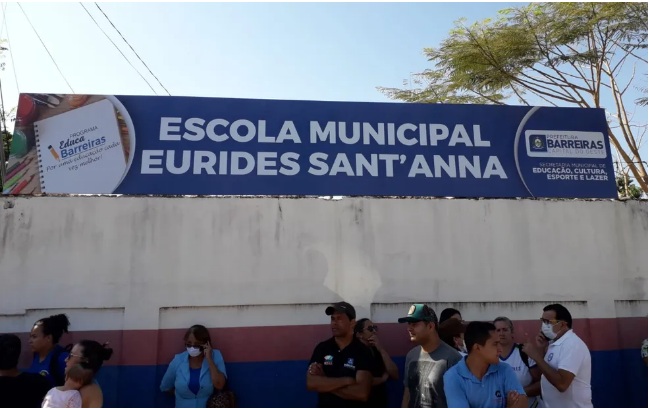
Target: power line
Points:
(4, 20)
(11, 54)
(48, 51)
(118, 49)
(136, 54)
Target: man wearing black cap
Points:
(340, 367)
(426, 363)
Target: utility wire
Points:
(11, 54)
(48, 51)
(118, 49)
(138, 56)
(4, 20)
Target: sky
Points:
(294, 51)
(308, 51)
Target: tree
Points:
(6, 143)
(560, 54)
(626, 189)
(6, 140)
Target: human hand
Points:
(207, 350)
(374, 341)
(541, 341)
(533, 348)
(516, 400)
(316, 369)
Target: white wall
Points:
(132, 257)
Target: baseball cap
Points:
(452, 327)
(343, 307)
(419, 312)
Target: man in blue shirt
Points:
(480, 380)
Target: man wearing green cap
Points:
(427, 362)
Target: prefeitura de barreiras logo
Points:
(538, 143)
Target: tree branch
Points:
(520, 97)
(566, 85)
(638, 170)
(630, 81)
(626, 132)
(631, 53)
(488, 98)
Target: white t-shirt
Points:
(515, 360)
(57, 398)
(571, 354)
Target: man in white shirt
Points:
(526, 370)
(566, 367)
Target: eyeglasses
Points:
(71, 355)
(372, 328)
(553, 322)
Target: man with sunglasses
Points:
(427, 363)
(565, 366)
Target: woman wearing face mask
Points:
(451, 331)
(383, 367)
(49, 356)
(194, 374)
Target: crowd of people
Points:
(454, 363)
(58, 377)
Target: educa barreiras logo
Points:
(54, 153)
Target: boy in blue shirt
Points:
(480, 380)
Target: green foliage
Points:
(561, 53)
(630, 191)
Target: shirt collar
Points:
(334, 344)
(464, 371)
(559, 341)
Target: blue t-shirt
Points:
(194, 380)
(43, 368)
(464, 390)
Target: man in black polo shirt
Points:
(18, 389)
(339, 368)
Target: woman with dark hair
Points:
(451, 331)
(449, 313)
(90, 355)
(49, 356)
(383, 367)
(195, 373)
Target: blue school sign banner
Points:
(145, 145)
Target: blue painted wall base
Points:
(619, 380)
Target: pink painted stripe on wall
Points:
(285, 343)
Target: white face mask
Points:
(548, 332)
(193, 352)
(460, 345)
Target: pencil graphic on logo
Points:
(53, 152)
